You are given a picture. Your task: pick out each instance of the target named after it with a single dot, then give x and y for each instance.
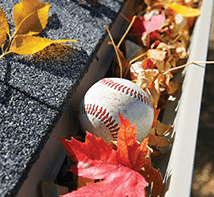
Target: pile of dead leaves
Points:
(161, 30)
(163, 33)
(30, 18)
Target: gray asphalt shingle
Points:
(35, 89)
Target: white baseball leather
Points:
(100, 106)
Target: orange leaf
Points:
(30, 17)
(148, 64)
(126, 138)
(129, 152)
(4, 28)
(129, 132)
(142, 154)
(28, 45)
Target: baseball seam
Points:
(102, 114)
(127, 90)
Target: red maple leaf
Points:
(120, 170)
(141, 26)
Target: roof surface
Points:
(34, 90)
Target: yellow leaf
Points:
(4, 28)
(24, 8)
(184, 10)
(28, 45)
(30, 17)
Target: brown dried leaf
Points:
(155, 93)
(181, 52)
(135, 69)
(180, 22)
(157, 56)
(154, 178)
(162, 129)
(146, 40)
(146, 78)
(173, 86)
(30, 17)
(124, 65)
(157, 141)
(148, 2)
(164, 47)
(156, 114)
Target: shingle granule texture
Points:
(34, 90)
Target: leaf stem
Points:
(116, 51)
(138, 57)
(1, 56)
(187, 64)
(127, 30)
(118, 57)
(9, 43)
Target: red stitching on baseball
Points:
(115, 131)
(89, 109)
(111, 122)
(123, 90)
(102, 115)
(113, 85)
(117, 86)
(113, 127)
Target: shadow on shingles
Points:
(57, 59)
(54, 22)
(6, 95)
(48, 76)
(97, 9)
(60, 60)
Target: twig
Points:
(127, 30)
(136, 58)
(187, 64)
(116, 51)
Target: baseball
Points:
(100, 106)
